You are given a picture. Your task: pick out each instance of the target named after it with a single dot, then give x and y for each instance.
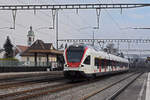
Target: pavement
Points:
(139, 90)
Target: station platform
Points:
(138, 90)
(26, 74)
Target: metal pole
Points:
(57, 29)
(93, 38)
(128, 48)
(118, 46)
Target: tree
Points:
(121, 55)
(110, 48)
(8, 47)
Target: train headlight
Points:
(66, 65)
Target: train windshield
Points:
(74, 54)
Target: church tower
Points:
(30, 36)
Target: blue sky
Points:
(72, 25)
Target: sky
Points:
(72, 25)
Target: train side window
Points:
(108, 63)
(96, 60)
(102, 63)
(87, 60)
(111, 63)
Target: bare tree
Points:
(111, 49)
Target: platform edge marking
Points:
(142, 90)
(148, 88)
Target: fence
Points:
(51, 65)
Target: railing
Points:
(20, 66)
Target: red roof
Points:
(40, 47)
(22, 48)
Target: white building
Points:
(2, 53)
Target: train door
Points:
(112, 65)
(87, 64)
(109, 65)
(97, 63)
(100, 65)
(105, 64)
(115, 66)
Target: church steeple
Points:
(30, 36)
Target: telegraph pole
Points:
(57, 29)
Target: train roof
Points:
(103, 54)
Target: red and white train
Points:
(82, 61)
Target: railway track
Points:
(130, 80)
(121, 89)
(21, 95)
(36, 92)
(10, 78)
(31, 93)
(30, 81)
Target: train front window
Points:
(74, 54)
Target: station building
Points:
(38, 53)
(41, 54)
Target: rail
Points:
(109, 86)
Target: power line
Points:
(115, 22)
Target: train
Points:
(85, 61)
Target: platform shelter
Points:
(42, 52)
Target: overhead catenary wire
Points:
(36, 2)
(61, 21)
(111, 17)
(77, 30)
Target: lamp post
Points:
(6, 28)
(93, 35)
(43, 28)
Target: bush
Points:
(9, 59)
(9, 62)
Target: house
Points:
(19, 49)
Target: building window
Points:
(39, 59)
(28, 59)
(29, 38)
